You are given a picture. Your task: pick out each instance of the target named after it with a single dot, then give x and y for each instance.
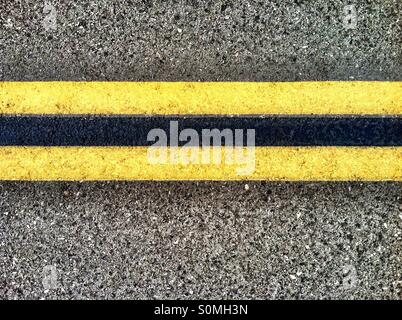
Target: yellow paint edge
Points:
(132, 163)
(332, 97)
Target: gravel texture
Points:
(201, 240)
(200, 40)
(210, 239)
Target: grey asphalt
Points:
(200, 239)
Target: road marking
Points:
(131, 163)
(310, 131)
(299, 98)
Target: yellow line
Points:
(201, 98)
(133, 163)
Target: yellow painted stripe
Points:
(201, 98)
(132, 163)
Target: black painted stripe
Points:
(133, 130)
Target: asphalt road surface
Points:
(200, 239)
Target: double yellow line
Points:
(194, 98)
